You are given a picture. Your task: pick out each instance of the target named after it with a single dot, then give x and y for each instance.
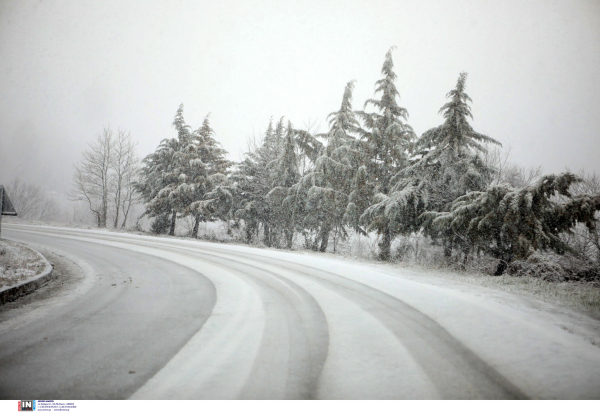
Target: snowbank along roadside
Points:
(33, 270)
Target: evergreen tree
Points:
(511, 223)
(177, 178)
(206, 178)
(361, 195)
(252, 181)
(386, 142)
(161, 224)
(286, 174)
(452, 151)
(326, 188)
(450, 165)
(158, 179)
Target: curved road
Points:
(161, 318)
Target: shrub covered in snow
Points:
(538, 266)
(160, 225)
(510, 224)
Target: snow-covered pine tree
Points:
(326, 188)
(359, 200)
(180, 174)
(250, 187)
(178, 151)
(178, 191)
(387, 140)
(205, 188)
(450, 165)
(252, 180)
(158, 178)
(284, 207)
(511, 223)
(452, 151)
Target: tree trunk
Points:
(336, 237)
(315, 243)
(501, 267)
(504, 254)
(463, 265)
(126, 212)
(101, 221)
(104, 209)
(324, 235)
(385, 246)
(196, 225)
(448, 242)
(447, 250)
(267, 232)
(250, 229)
(248, 233)
(172, 228)
(289, 238)
(118, 205)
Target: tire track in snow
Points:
(294, 341)
(452, 367)
(455, 370)
(86, 345)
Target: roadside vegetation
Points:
(452, 189)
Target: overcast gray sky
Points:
(67, 68)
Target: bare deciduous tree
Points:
(508, 172)
(91, 178)
(124, 164)
(31, 202)
(105, 173)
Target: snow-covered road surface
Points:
(197, 320)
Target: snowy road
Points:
(159, 318)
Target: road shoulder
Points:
(23, 271)
(66, 275)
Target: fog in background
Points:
(69, 68)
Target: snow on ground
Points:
(18, 264)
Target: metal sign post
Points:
(6, 207)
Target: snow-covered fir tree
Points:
(285, 208)
(252, 180)
(158, 177)
(449, 166)
(511, 223)
(205, 168)
(178, 177)
(452, 151)
(359, 200)
(387, 140)
(326, 188)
